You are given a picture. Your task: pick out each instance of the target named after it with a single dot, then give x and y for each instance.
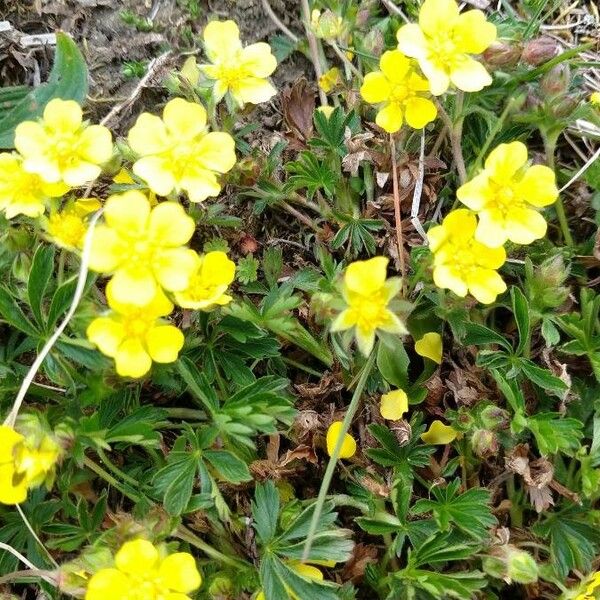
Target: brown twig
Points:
(300, 216)
(271, 14)
(397, 213)
(314, 48)
(455, 130)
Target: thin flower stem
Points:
(35, 536)
(118, 472)
(47, 576)
(329, 471)
(347, 63)
(96, 468)
(300, 216)
(271, 14)
(314, 48)
(455, 130)
(397, 212)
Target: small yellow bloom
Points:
(22, 192)
(430, 346)
(68, 227)
(506, 194)
(25, 462)
(393, 405)
(400, 92)
(348, 445)
(143, 247)
(209, 282)
(442, 43)
(242, 72)
(135, 335)
(438, 433)
(330, 79)
(461, 263)
(178, 153)
(367, 294)
(595, 99)
(141, 571)
(61, 148)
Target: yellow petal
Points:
(95, 144)
(393, 405)
(9, 438)
(461, 223)
(184, 119)
(430, 346)
(491, 229)
(258, 60)
(439, 433)
(348, 445)
(419, 112)
(173, 268)
(469, 75)
(475, 193)
(525, 225)
(343, 321)
(200, 184)
(438, 77)
(366, 276)
(108, 583)
(395, 65)
(389, 118)
(411, 41)
(490, 258)
(9, 492)
(473, 33)
(485, 285)
(505, 160)
(148, 135)
(365, 339)
(169, 225)
(127, 213)
(133, 284)
(375, 88)
(254, 90)
(179, 573)
(63, 116)
(136, 557)
(132, 360)
(190, 71)
(448, 277)
(80, 172)
(216, 152)
(107, 334)
(30, 139)
(308, 571)
(221, 39)
(437, 17)
(107, 250)
(538, 186)
(436, 236)
(157, 172)
(164, 343)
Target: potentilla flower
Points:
(25, 462)
(136, 335)
(143, 247)
(62, 148)
(209, 282)
(68, 227)
(461, 263)
(367, 294)
(143, 571)
(438, 433)
(240, 71)
(348, 444)
(506, 196)
(442, 43)
(178, 153)
(399, 89)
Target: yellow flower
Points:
(330, 79)
(135, 335)
(397, 87)
(67, 228)
(22, 192)
(348, 445)
(506, 194)
(178, 153)
(393, 405)
(25, 462)
(430, 346)
(240, 71)
(442, 43)
(462, 264)
(143, 247)
(61, 148)
(209, 282)
(438, 433)
(141, 571)
(367, 294)
(595, 99)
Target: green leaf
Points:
(177, 479)
(13, 315)
(62, 298)
(265, 511)
(197, 384)
(553, 433)
(542, 377)
(550, 333)
(228, 465)
(478, 335)
(521, 311)
(68, 80)
(393, 365)
(39, 277)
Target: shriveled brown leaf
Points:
(298, 106)
(326, 386)
(362, 555)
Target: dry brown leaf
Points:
(298, 106)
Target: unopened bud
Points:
(484, 443)
(556, 81)
(502, 54)
(221, 588)
(327, 25)
(539, 51)
(565, 106)
(511, 564)
(373, 42)
(494, 417)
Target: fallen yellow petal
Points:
(439, 433)
(348, 445)
(430, 346)
(393, 405)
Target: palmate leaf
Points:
(311, 173)
(437, 585)
(554, 433)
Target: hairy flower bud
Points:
(511, 564)
(493, 417)
(484, 443)
(556, 81)
(502, 54)
(538, 51)
(221, 588)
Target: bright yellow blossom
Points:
(438, 433)
(430, 346)
(442, 43)
(461, 263)
(62, 148)
(22, 192)
(330, 79)
(240, 71)
(348, 445)
(67, 228)
(179, 153)
(506, 194)
(400, 92)
(367, 294)
(136, 335)
(209, 282)
(142, 572)
(393, 405)
(143, 247)
(25, 462)
(595, 99)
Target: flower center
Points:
(370, 311)
(504, 198)
(137, 325)
(400, 92)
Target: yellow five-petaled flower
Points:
(399, 89)
(242, 72)
(506, 194)
(442, 43)
(178, 153)
(367, 294)
(142, 572)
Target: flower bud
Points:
(327, 25)
(556, 81)
(539, 51)
(502, 54)
(493, 417)
(373, 42)
(511, 564)
(220, 588)
(544, 284)
(484, 443)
